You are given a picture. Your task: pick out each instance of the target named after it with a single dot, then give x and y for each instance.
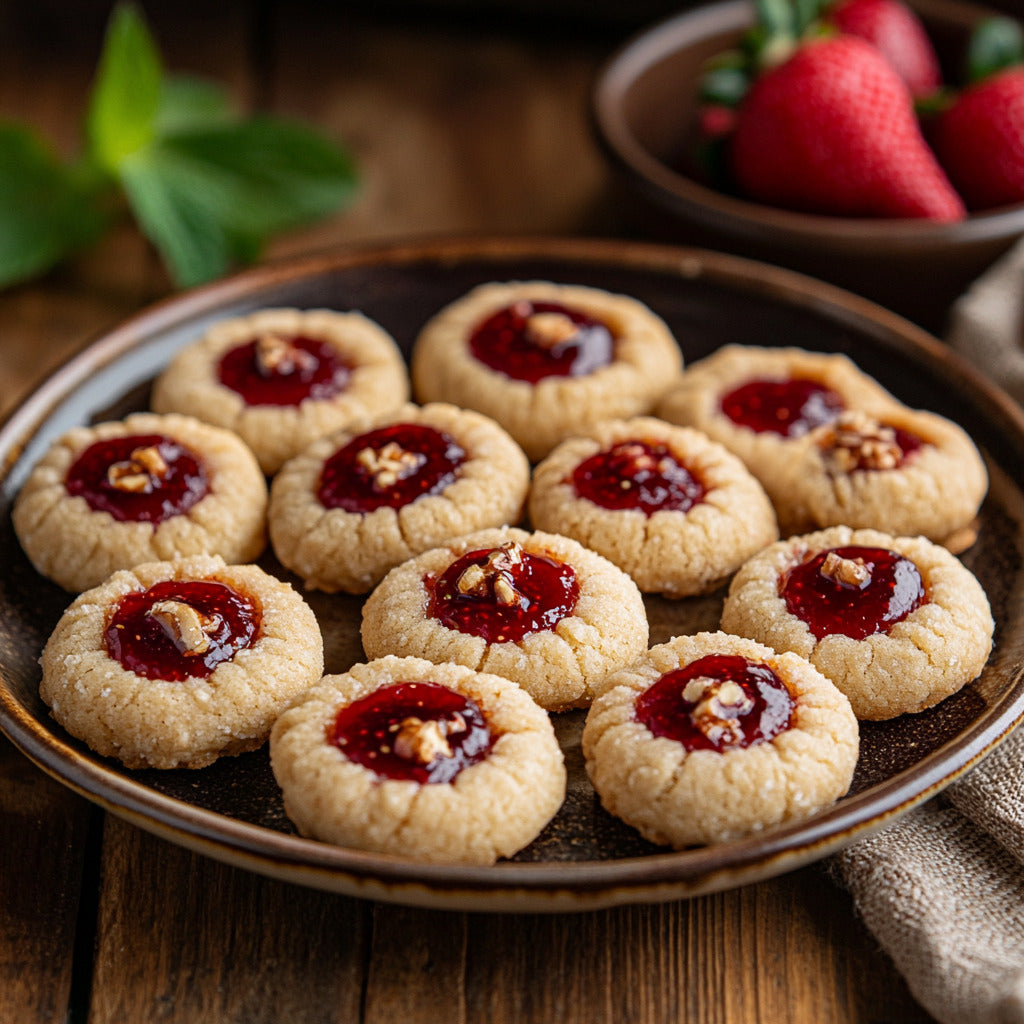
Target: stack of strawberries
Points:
(842, 111)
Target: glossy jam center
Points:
(391, 467)
(855, 441)
(788, 407)
(853, 591)
(181, 628)
(141, 478)
(276, 370)
(419, 731)
(533, 340)
(719, 702)
(503, 594)
(637, 475)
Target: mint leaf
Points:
(268, 175)
(47, 210)
(126, 95)
(188, 103)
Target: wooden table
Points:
(458, 128)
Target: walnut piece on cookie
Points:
(536, 608)
(146, 488)
(897, 623)
(759, 402)
(714, 737)
(280, 378)
(360, 501)
(675, 510)
(174, 664)
(902, 471)
(435, 762)
(545, 360)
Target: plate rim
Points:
(516, 886)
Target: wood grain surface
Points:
(458, 128)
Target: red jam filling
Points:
(718, 702)
(637, 475)
(852, 591)
(503, 594)
(855, 442)
(181, 628)
(277, 370)
(142, 478)
(788, 407)
(390, 467)
(533, 340)
(420, 732)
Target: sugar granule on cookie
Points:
(361, 501)
(675, 510)
(536, 608)
(147, 488)
(545, 360)
(174, 664)
(897, 623)
(433, 762)
(280, 378)
(714, 737)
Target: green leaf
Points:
(726, 85)
(189, 103)
(126, 94)
(47, 210)
(996, 43)
(267, 175)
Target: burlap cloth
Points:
(943, 889)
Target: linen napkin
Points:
(942, 889)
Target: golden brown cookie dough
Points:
(602, 628)
(725, 790)
(902, 471)
(907, 666)
(378, 379)
(696, 401)
(342, 548)
(677, 551)
(78, 545)
(143, 716)
(492, 807)
(645, 361)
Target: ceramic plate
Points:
(584, 859)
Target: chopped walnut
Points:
(389, 464)
(423, 742)
(187, 627)
(494, 576)
(719, 704)
(855, 440)
(277, 356)
(548, 330)
(849, 572)
(138, 474)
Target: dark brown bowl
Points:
(643, 104)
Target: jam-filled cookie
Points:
(359, 502)
(902, 471)
(758, 401)
(713, 737)
(147, 488)
(671, 507)
(545, 360)
(432, 762)
(897, 623)
(536, 608)
(280, 378)
(174, 664)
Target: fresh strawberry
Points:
(898, 32)
(980, 141)
(832, 130)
